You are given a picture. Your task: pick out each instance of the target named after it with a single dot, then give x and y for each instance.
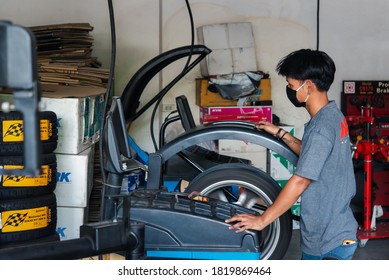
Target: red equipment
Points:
(369, 148)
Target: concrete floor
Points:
(375, 249)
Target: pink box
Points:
(243, 113)
(237, 110)
(246, 113)
(215, 118)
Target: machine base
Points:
(177, 226)
(381, 231)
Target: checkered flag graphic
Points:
(15, 220)
(15, 129)
(14, 178)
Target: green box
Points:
(279, 167)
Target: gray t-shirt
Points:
(325, 159)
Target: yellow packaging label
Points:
(26, 219)
(26, 181)
(13, 130)
(46, 129)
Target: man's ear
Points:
(311, 85)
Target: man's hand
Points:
(267, 126)
(246, 221)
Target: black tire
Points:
(260, 191)
(11, 132)
(26, 186)
(17, 223)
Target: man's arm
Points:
(287, 197)
(293, 143)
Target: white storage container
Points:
(79, 113)
(69, 220)
(74, 178)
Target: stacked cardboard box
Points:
(232, 45)
(233, 52)
(79, 111)
(65, 55)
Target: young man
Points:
(324, 175)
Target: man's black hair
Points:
(306, 64)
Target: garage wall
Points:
(354, 33)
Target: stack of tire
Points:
(28, 206)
